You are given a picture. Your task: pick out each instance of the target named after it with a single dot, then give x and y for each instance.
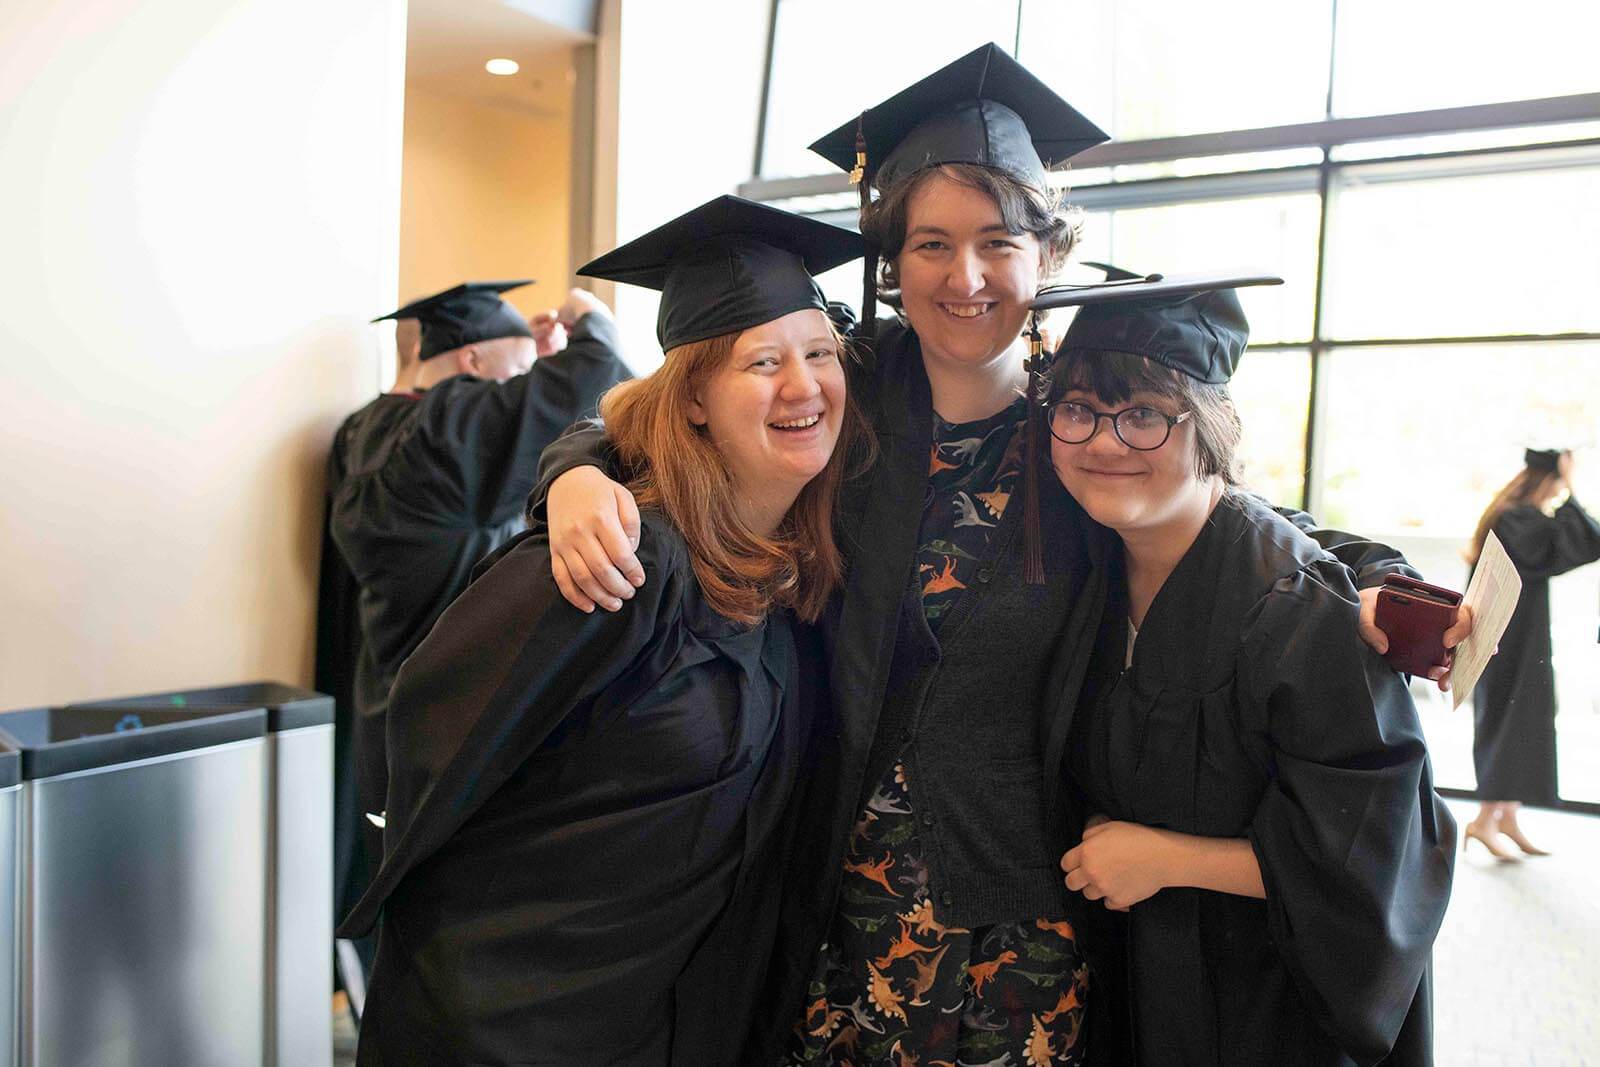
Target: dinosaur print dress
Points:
(893, 985)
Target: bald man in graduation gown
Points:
(422, 484)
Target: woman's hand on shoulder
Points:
(594, 530)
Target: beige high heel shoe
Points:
(1471, 832)
(1522, 842)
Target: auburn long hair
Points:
(1528, 487)
(678, 471)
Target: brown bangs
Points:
(1114, 376)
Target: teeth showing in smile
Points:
(796, 424)
(966, 311)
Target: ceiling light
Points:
(503, 67)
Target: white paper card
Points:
(1492, 596)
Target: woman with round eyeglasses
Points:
(1262, 814)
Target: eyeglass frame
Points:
(1172, 422)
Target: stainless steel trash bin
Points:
(10, 941)
(143, 903)
(298, 983)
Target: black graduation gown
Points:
(1514, 704)
(1253, 710)
(420, 488)
(881, 512)
(584, 819)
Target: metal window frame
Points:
(1327, 134)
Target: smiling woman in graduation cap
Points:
(925, 917)
(1265, 812)
(585, 809)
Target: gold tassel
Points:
(858, 173)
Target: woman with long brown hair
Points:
(586, 810)
(1514, 705)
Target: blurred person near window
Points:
(1514, 705)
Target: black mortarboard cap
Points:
(1192, 323)
(1543, 459)
(728, 265)
(468, 313)
(984, 108)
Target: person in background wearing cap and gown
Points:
(925, 915)
(1514, 705)
(1262, 802)
(422, 483)
(338, 649)
(587, 811)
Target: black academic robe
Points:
(421, 486)
(1514, 705)
(1253, 710)
(584, 818)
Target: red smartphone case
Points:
(1414, 616)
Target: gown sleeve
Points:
(1356, 850)
(502, 668)
(1371, 560)
(492, 434)
(1543, 546)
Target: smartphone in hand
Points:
(1414, 616)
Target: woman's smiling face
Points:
(775, 408)
(965, 281)
(1125, 488)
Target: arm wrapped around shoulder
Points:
(1356, 850)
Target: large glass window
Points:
(1275, 234)
(1154, 68)
(1425, 54)
(1272, 390)
(831, 58)
(1419, 439)
(1503, 244)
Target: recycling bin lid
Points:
(289, 707)
(60, 740)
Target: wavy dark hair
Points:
(1024, 208)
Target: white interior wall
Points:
(200, 202)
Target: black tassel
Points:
(1033, 429)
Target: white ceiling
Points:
(448, 41)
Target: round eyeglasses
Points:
(1143, 429)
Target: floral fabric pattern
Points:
(971, 472)
(896, 987)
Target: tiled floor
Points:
(1518, 961)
